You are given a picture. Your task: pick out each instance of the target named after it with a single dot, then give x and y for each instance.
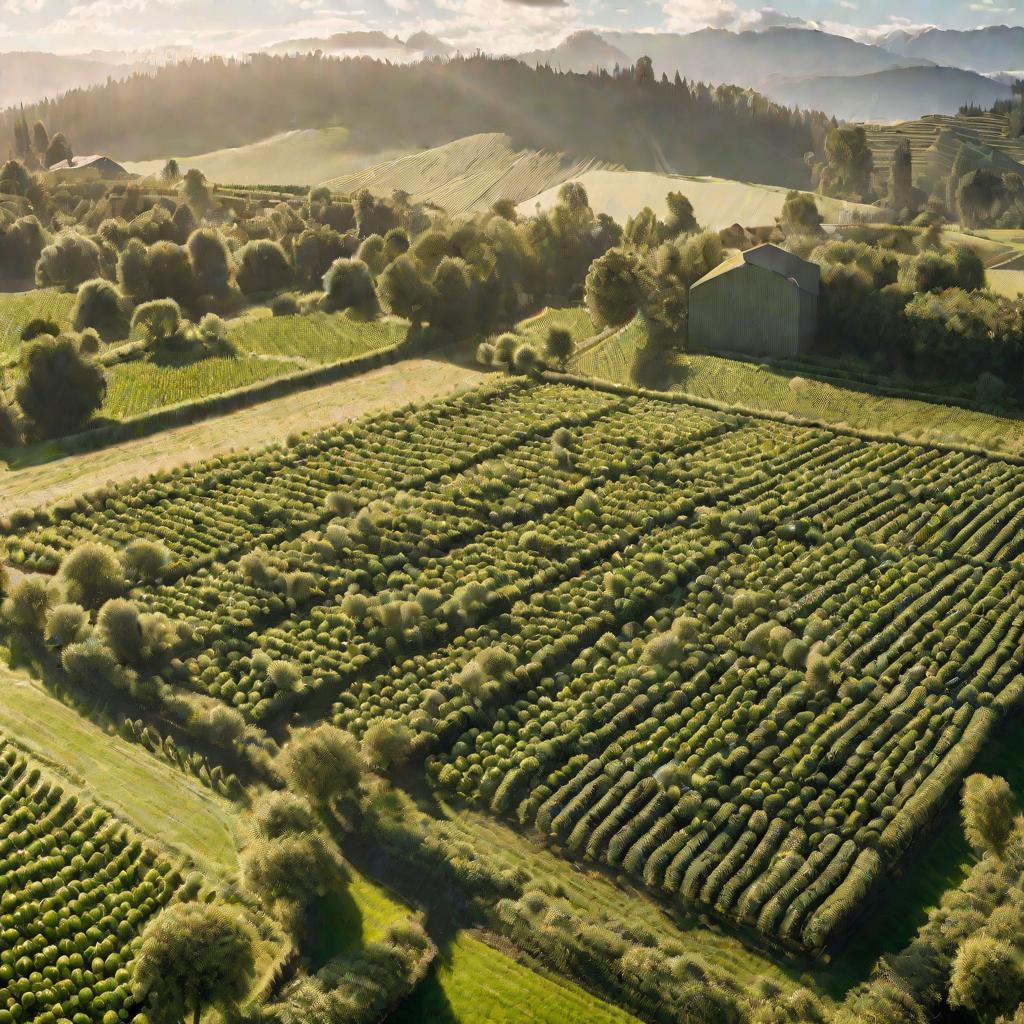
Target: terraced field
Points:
(739, 660)
(315, 337)
(936, 139)
(469, 174)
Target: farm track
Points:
(413, 380)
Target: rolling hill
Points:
(717, 203)
(892, 95)
(302, 157)
(469, 174)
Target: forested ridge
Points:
(630, 118)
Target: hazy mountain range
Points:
(903, 75)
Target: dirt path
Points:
(412, 380)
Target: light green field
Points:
(761, 387)
(574, 319)
(717, 202)
(1007, 282)
(17, 308)
(315, 337)
(139, 387)
(43, 474)
(303, 157)
(161, 802)
(476, 984)
(469, 174)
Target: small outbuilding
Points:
(88, 168)
(760, 302)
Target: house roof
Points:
(78, 162)
(806, 276)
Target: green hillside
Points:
(304, 157)
(469, 174)
(717, 202)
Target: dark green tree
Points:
(193, 956)
(60, 387)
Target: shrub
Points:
(348, 284)
(61, 386)
(99, 306)
(262, 266)
(92, 574)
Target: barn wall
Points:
(748, 309)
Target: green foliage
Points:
(348, 284)
(193, 956)
(99, 306)
(61, 387)
(67, 261)
(262, 267)
(324, 763)
(614, 288)
(988, 810)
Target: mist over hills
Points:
(28, 77)
(898, 94)
(996, 48)
(717, 56)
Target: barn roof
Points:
(807, 276)
(77, 163)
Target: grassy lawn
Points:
(762, 387)
(47, 476)
(17, 308)
(316, 337)
(473, 983)
(159, 801)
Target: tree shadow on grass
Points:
(429, 1003)
(657, 368)
(335, 928)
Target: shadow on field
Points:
(429, 1002)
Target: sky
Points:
(497, 26)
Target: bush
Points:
(68, 261)
(92, 574)
(262, 267)
(285, 305)
(61, 386)
(99, 306)
(158, 321)
(348, 284)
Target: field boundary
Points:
(215, 405)
(682, 398)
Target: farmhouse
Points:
(88, 168)
(762, 302)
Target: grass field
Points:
(574, 319)
(142, 386)
(476, 984)
(469, 174)
(174, 809)
(302, 157)
(315, 337)
(761, 387)
(17, 308)
(48, 476)
(1007, 282)
(717, 202)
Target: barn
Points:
(760, 302)
(88, 168)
